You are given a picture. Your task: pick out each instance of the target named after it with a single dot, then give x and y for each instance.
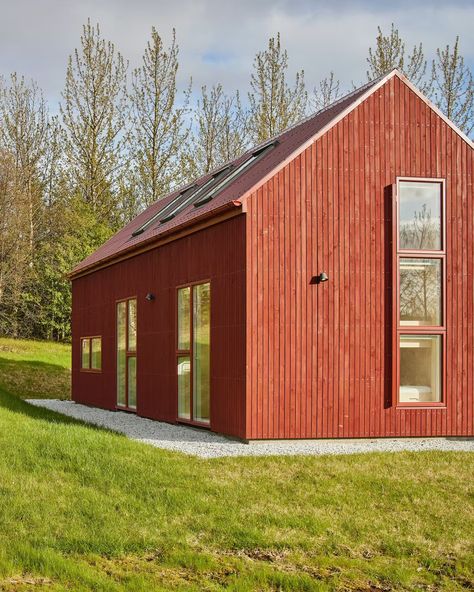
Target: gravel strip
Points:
(206, 444)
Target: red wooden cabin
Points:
(210, 307)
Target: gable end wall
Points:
(319, 356)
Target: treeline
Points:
(124, 138)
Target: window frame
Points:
(128, 354)
(89, 338)
(190, 352)
(417, 330)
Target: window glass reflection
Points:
(420, 292)
(420, 216)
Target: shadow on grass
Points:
(13, 403)
(48, 367)
(34, 379)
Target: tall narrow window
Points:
(201, 353)
(127, 354)
(193, 353)
(420, 262)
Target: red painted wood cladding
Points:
(319, 357)
(291, 359)
(216, 253)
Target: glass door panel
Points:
(184, 316)
(132, 382)
(126, 354)
(121, 353)
(132, 325)
(184, 383)
(201, 351)
(193, 352)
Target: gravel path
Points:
(209, 445)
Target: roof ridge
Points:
(307, 118)
(254, 147)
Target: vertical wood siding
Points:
(319, 357)
(216, 253)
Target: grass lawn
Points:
(84, 509)
(35, 369)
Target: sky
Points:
(218, 39)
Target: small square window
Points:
(91, 353)
(420, 369)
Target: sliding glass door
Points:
(193, 353)
(127, 354)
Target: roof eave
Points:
(155, 241)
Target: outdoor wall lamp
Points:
(323, 276)
(150, 296)
(319, 279)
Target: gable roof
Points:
(147, 229)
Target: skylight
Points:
(256, 155)
(194, 195)
(201, 195)
(181, 196)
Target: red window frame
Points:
(190, 352)
(416, 330)
(128, 353)
(90, 369)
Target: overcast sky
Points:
(218, 39)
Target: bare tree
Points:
(234, 139)
(453, 87)
(14, 241)
(30, 153)
(94, 112)
(274, 105)
(390, 53)
(159, 130)
(24, 129)
(222, 129)
(328, 91)
(53, 169)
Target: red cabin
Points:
(319, 286)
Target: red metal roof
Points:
(288, 141)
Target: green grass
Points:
(84, 509)
(35, 369)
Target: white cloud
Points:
(36, 36)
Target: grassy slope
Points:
(35, 369)
(84, 509)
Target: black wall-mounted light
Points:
(150, 296)
(319, 279)
(323, 277)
